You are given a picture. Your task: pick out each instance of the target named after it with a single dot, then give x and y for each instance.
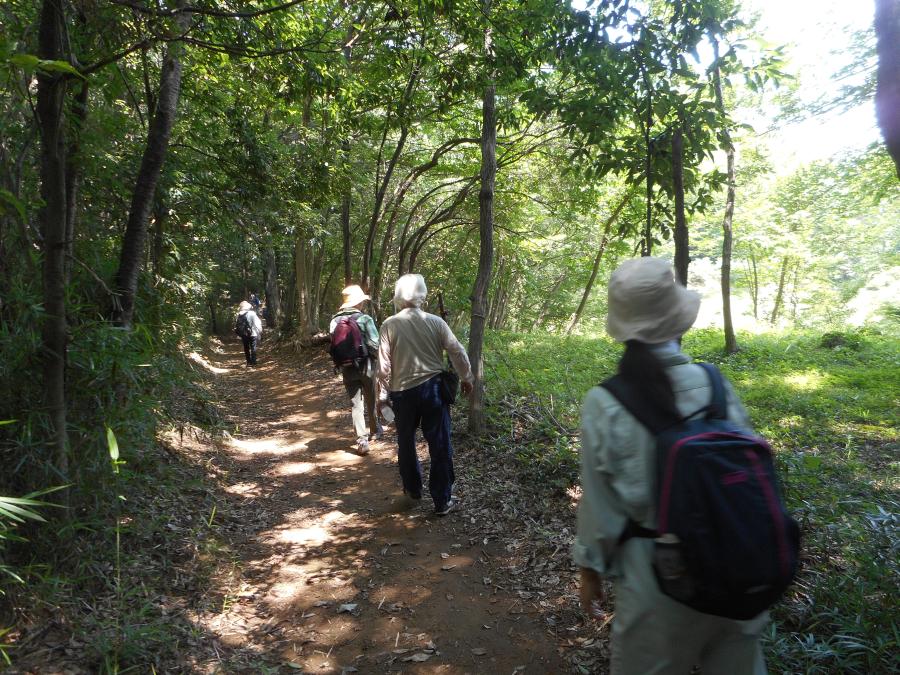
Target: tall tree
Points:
(727, 231)
(51, 97)
(144, 193)
(486, 234)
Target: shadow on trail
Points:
(327, 575)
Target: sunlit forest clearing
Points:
(165, 508)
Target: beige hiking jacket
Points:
(618, 463)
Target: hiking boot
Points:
(446, 508)
(362, 446)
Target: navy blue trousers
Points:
(422, 406)
(250, 349)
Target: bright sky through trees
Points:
(818, 34)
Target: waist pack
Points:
(347, 345)
(449, 386)
(724, 543)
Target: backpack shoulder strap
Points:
(718, 405)
(654, 420)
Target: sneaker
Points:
(379, 433)
(362, 446)
(446, 508)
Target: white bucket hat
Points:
(353, 295)
(244, 306)
(647, 304)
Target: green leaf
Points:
(26, 61)
(3, 422)
(113, 445)
(9, 198)
(59, 67)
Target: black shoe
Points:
(446, 508)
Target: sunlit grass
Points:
(830, 413)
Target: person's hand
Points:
(467, 388)
(591, 593)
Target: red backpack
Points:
(347, 345)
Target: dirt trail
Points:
(329, 576)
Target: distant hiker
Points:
(410, 361)
(354, 348)
(254, 301)
(628, 515)
(249, 328)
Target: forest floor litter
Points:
(314, 566)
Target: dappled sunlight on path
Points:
(327, 576)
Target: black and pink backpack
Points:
(724, 543)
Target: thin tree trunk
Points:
(548, 299)
(160, 213)
(604, 242)
(273, 290)
(145, 186)
(74, 165)
(794, 299)
(51, 94)
(211, 302)
(345, 221)
(486, 231)
(753, 275)
(648, 170)
(682, 241)
(731, 345)
(779, 295)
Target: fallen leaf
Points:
(445, 555)
(321, 603)
(447, 568)
(419, 658)
(347, 608)
(479, 651)
(449, 596)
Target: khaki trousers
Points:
(652, 634)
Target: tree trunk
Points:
(682, 241)
(887, 93)
(73, 170)
(730, 340)
(345, 228)
(51, 94)
(273, 290)
(648, 170)
(753, 275)
(211, 301)
(604, 242)
(148, 175)
(160, 213)
(779, 295)
(486, 231)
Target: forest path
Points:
(329, 576)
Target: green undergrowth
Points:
(828, 404)
(90, 581)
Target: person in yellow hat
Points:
(354, 348)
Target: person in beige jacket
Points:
(410, 360)
(651, 633)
